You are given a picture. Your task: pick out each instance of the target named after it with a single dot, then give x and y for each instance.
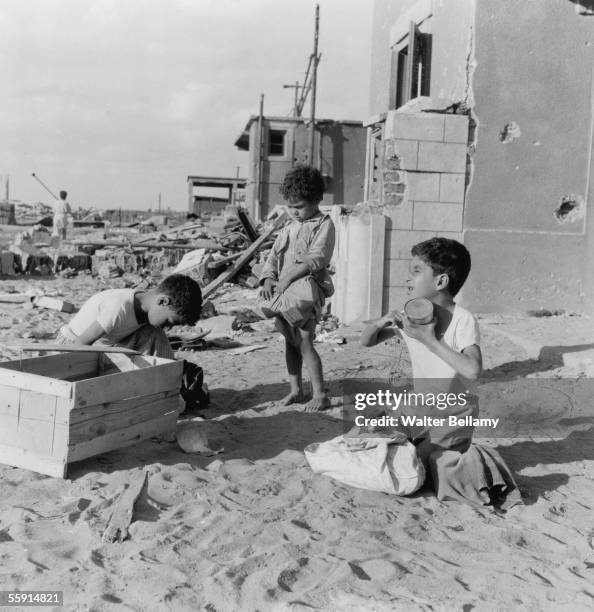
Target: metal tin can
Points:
(419, 311)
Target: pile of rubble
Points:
(211, 254)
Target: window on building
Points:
(411, 67)
(276, 142)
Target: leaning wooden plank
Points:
(227, 275)
(223, 261)
(72, 348)
(124, 437)
(122, 385)
(21, 458)
(121, 517)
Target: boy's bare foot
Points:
(294, 397)
(317, 403)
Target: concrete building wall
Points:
(449, 22)
(524, 70)
(423, 178)
(533, 105)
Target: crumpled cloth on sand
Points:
(389, 465)
(478, 476)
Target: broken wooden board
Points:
(227, 275)
(123, 512)
(196, 244)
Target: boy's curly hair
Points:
(303, 183)
(445, 256)
(185, 295)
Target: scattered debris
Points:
(544, 312)
(123, 512)
(54, 304)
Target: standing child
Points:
(295, 280)
(446, 358)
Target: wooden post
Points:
(260, 161)
(312, 127)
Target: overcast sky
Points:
(118, 100)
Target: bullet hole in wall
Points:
(571, 208)
(510, 132)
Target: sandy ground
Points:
(252, 528)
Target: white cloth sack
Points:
(383, 464)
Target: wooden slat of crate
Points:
(34, 382)
(22, 458)
(9, 400)
(124, 437)
(100, 420)
(61, 367)
(114, 387)
(37, 406)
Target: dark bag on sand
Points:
(192, 390)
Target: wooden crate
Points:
(62, 408)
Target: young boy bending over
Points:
(136, 319)
(295, 282)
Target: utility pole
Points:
(312, 127)
(159, 203)
(296, 110)
(260, 160)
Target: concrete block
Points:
(393, 176)
(394, 199)
(400, 242)
(456, 129)
(394, 298)
(423, 186)
(451, 188)
(437, 216)
(395, 272)
(417, 126)
(399, 217)
(408, 151)
(441, 157)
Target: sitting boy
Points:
(446, 358)
(295, 281)
(136, 319)
(445, 354)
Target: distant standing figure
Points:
(61, 212)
